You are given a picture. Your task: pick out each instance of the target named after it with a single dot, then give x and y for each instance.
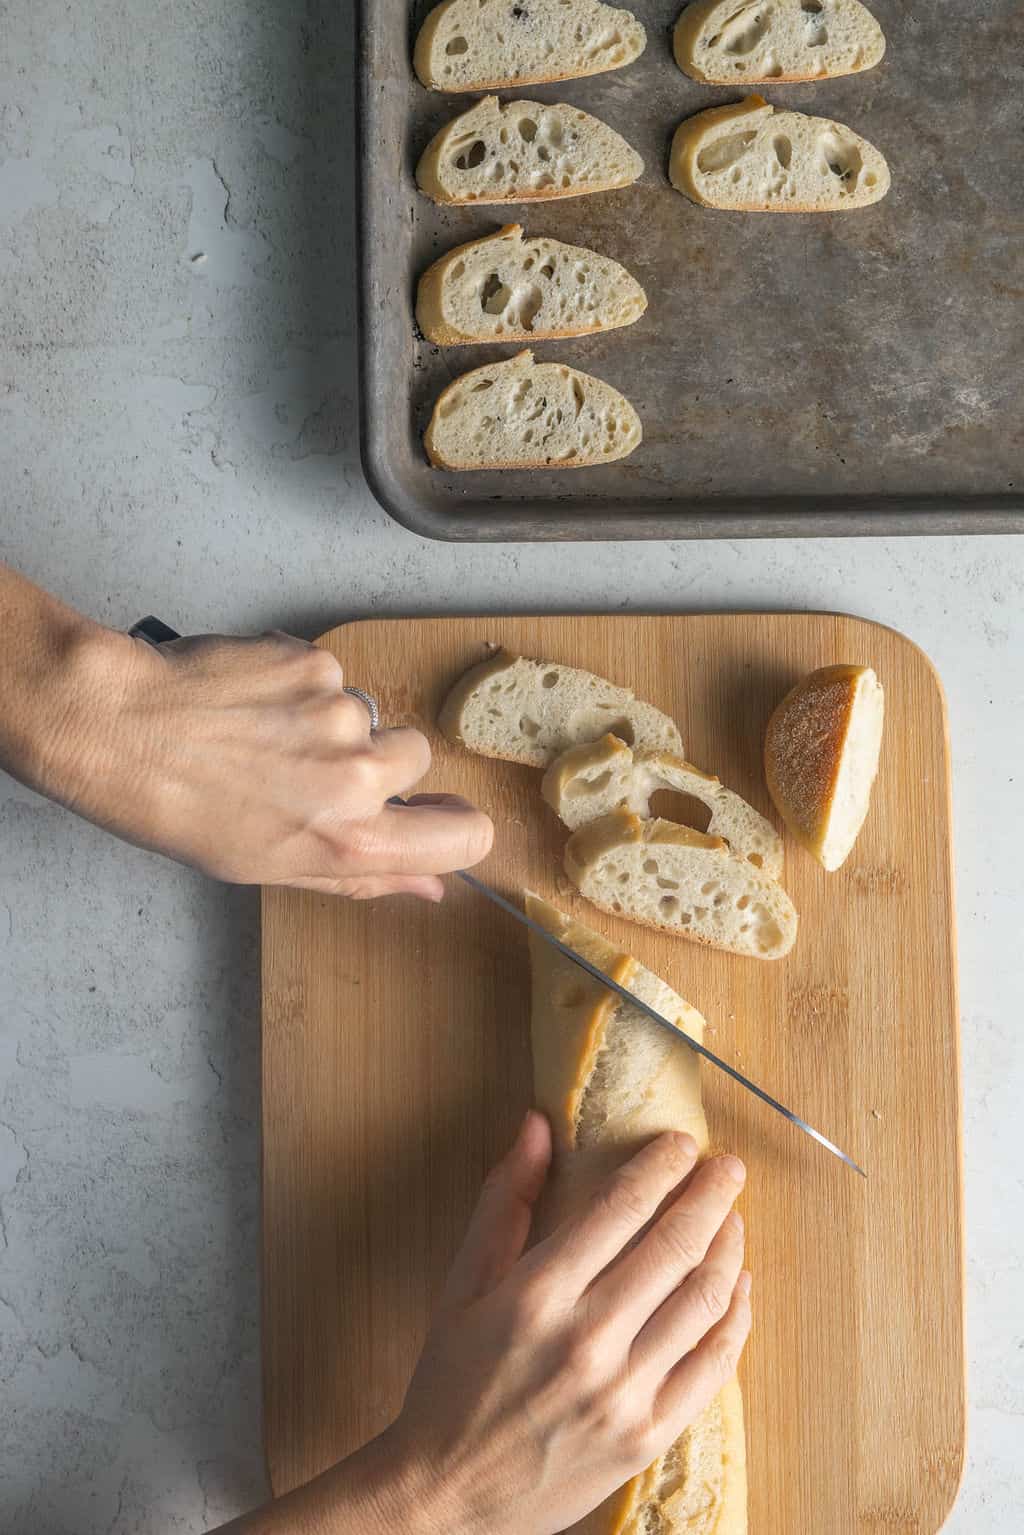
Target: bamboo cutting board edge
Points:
(946, 1464)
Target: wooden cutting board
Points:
(396, 1067)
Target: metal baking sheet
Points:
(855, 373)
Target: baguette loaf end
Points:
(821, 754)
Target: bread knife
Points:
(656, 1017)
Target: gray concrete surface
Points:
(178, 435)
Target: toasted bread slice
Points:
(682, 881)
(821, 754)
(587, 782)
(751, 158)
(507, 288)
(528, 711)
(609, 1080)
(722, 43)
(524, 151)
(465, 46)
(523, 414)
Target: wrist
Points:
(68, 679)
(402, 1491)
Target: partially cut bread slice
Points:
(609, 1080)
(587, 782)
(467, 46)
(522, 414)
(507, 288)
(682, 881)
(722, 43)
(527, 711)
(821, 754)
(750, 158)
(524, 151)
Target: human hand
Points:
(246, 758)
(549, 1379)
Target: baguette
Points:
(505, 288)
(521, 710)
(682, 881)
(720, 43)
(522, 414)
(821, 757)
(524, 151)
(750, 158)
(609, 1080)
(463, 46)
(589, 781)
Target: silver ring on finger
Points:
(371, 705)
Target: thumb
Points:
(501, 1221)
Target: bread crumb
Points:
(876, 1113)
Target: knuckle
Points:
(623, 1200)
(710, 1295)
(725, 1348)
(362, 771)
(417, 748)
(322, 667)
(676, 1241)
(338, 714)
(531, 1303)
(587, 1359)
(640, 1441)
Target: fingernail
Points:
(743, 1282)
(734, 1167)
(686, 1143)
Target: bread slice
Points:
(524, 151)
(529, 711)
(722, 43)
(608, 1080)
(505, 288)
(751, 158)
(682, 881)
(522, 414)
(466, 46)
(821, 753)
(590, 781)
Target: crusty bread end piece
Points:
(522, 414)
(750, 158)
(528, 711)
(681, 881)
(821, 754)
(524, 151)
(466, 46)
(609, 1080)
(587, 782)
(505, 287)
(773, 41)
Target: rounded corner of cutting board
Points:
(914, 653)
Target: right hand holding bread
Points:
(549, 1379)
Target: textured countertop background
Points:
(178, 435)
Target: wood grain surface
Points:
(396, 1066)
